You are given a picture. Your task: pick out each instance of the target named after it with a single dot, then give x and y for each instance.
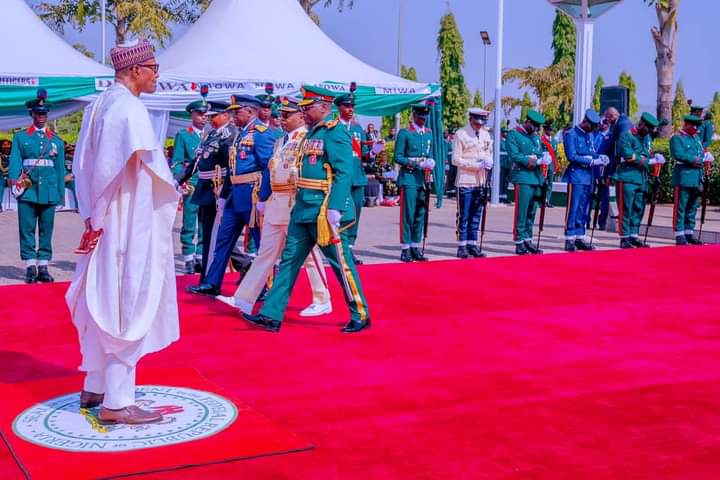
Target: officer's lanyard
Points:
(45, 151)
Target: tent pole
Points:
(103, 46)
(497, 114)
(401, 14)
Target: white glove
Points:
(659, 159)
(17, 190)
(532, 158)
(708, 157)
(428, 164)
(546, 159)
(334, 217)
(597, 162)
(486, 164)
(260, 207)
(653, 161)
(605, 159)
(220, 205)
(589, 159)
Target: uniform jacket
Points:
(520, 146)
(186, 143)
(48, 182)
(580, 151)
(251, 149)
(688, 154)
(327, 143)
(635, 155)
(212, 152)
(706, 133)
(469, 148)
(282, 169)
(411, 147)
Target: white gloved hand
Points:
(260, 207)
(659, 159)
(652, 161)
(429, 164)
(487, 164)
(546, 158)
(293, 173)
(605, 159)
(532, 158)
(597, 162)
(334, 217)
(220, 205)
(708, 157)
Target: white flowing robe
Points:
(123, 297)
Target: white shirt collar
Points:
(418, 128)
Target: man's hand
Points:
(333, 217)
(708, 157)
(597, 162)
(427, 164)
(487, 164)
(89, 239)
(659, 159)
(605, 159)
(220, 205)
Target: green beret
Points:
(536, 117)
(197, 106)
(693, 119)
(650, 120)
(345, 99)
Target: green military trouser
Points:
(190, 226)
(34, 217)
(413, 205)
(527, 198)
(358, 198)
(687, 200)
(631, 205)
(301, 238)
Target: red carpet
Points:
(250, 436)
(593, 366)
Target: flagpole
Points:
(103, 45)
(401, 10)
(495, 198)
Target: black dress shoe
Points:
(692, 240)
(263, 322)
(43, 275)
(31, 274)
(205, 289)
(570, 246)
(680, 240)
(474, 251)
(354, 326)
(462, 252)
(581, 244)
(636, 242)
(189, 267)
(198, 266)
(549, 205)
(532, 248)
(521, 249)
(405, 256)
(625, 243)
(417, 255)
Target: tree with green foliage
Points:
(627, 81)
(450, 47)
(599, 84)
(388, 122)
(715, 110)
(525, 104)
(680, 106)
(477, 100)
(563, 41)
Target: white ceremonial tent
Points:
(35, 57)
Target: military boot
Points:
(474, 251)
(520, 249)
(462, 252)
(570, 245)
(680, 240)
(636, 242)
(532, 248)
(405, 256)
(625, 243)
(31, 274)
(581, 244)
(417, 255)
(692, 240)
(43, 275)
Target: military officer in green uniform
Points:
(413, 148)
(187, 142)
(37, 176)
(346, 107)
(525, 152)
(686, 149)
(321, 215)
(269, 110)
(707, 130)
(636, 158)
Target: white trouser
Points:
(116, 380)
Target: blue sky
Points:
(622, 40)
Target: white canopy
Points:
(33, 50)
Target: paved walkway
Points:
(377, 242)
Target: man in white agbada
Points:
(123, 298)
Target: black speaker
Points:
(615, 96)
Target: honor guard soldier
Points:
(37, 176)
(631, 176)
(248, 158)
(346, 108)
(213, 185)
(549, 145)
(525, 151)
(413, 148)
(690, 160)
(705, 131)
(187, 142)
(268, 112)
(472, 155)
(321, 215)
(5, 148)
(277, 196)
(582, 156)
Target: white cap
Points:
(478, 111)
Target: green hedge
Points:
(662, 145)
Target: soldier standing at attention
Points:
(636, 158)
(37, 176)
(525, 151)
(321, 215)
(412, 152)
(582, 156)
(346, 107)
(187, 142)
(473, 157)
(690, 160)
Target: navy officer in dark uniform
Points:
(251, 149)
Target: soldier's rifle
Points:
(543, 204)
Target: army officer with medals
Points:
(321, 215)
(37, 177)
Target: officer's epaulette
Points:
(260, 127)
(332, 123)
